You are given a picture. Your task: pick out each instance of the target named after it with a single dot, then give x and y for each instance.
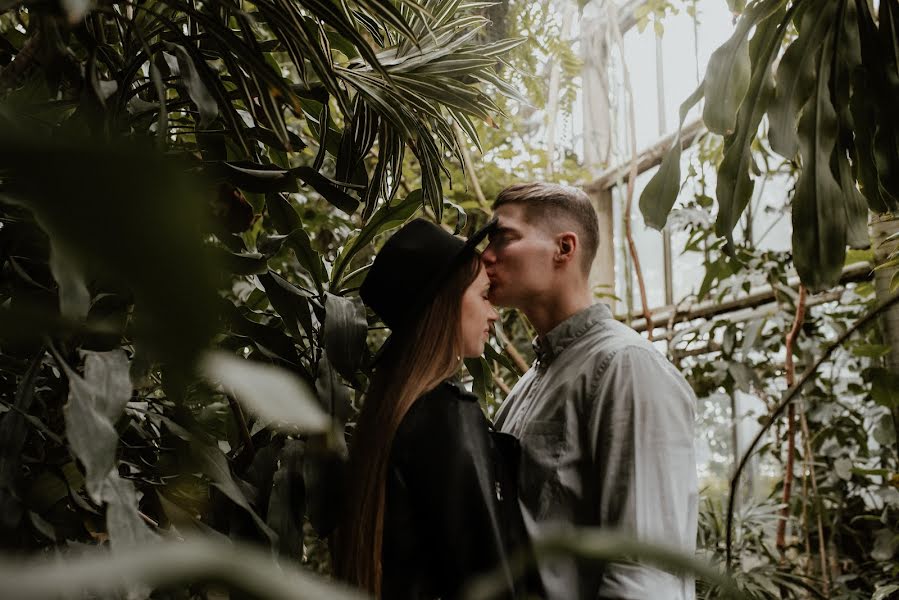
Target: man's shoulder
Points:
(606, 339)
(610, 346)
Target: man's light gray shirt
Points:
(606, 428)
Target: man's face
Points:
(519, 259)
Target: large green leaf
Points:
(291, 302)
(215, 466)
(660, 193)
(795, 78)
(328, 189)
(124, 523)
(287, 500)
(727, 76)
(847, 60)
(343, 333)
(866, 112)
(166, 565)
(332, 392)
(357, 139)
(854, 204)
(734, 187)
(298, 241)
(270, 340)
(481, 375)
(253, 177)
(886, 138)
(244, 263)
(274, 394)
(884, 386)
(74, 297)
(282, 213)
(819, 217)
(95, 403)
(206, 104)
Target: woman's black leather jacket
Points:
(452, 511)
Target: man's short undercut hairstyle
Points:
(560, 207)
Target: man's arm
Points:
(641, 431)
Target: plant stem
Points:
(805, 468)
(501, 384)
(822, 544)
(790, 370)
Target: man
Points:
(605, 421)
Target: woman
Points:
(425, 511)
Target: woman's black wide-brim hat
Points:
(411, 266)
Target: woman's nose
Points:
(493, 316)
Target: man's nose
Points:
(488, 256)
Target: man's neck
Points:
(547, 312)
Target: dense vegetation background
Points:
(191, 193)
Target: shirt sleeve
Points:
(641, 427)
(447, 467)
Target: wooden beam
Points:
(741, 316)
(861, 271)
(647, 159)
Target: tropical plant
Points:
(180, 176)
(845, 455)
(829, 109)
(190, 194)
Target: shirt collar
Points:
(548, 346)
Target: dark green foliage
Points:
(190, 194)
(832, 103)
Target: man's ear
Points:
(566, 246)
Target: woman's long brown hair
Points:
(416, 360)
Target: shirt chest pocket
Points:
(545, 442)
(549, 476)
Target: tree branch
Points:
(790, 370)
(516, 357)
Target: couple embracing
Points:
(598, 433)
